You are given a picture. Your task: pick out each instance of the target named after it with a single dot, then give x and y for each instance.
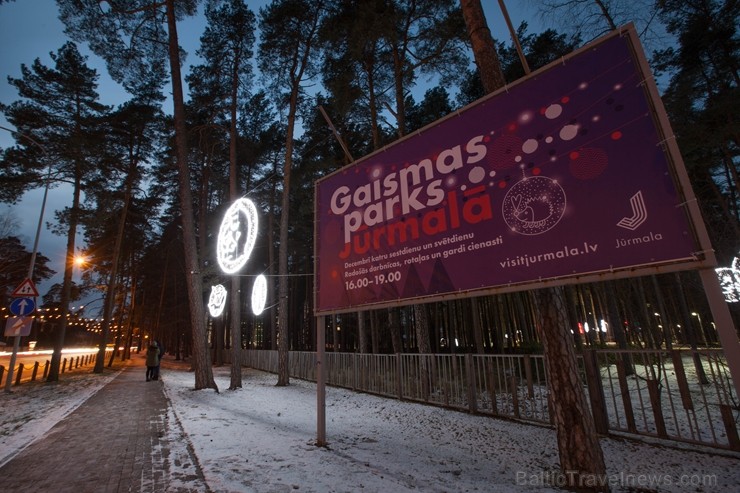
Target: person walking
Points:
(152, 360)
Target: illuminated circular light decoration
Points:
(259, 294)
(729, 280)
(217, 300)
(237, 235)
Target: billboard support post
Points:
(320, 381)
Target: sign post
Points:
(20, 325)
(35, 243)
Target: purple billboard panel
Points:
(559, 176)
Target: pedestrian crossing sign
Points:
(25, 289)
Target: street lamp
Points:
(31, 267)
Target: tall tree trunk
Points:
(283, 332)
(482, 44)
(581, 458)
(395, 327)
(400, 112)
(374, 332)
(56, 357)
(111, 288)
(421, 324)
(361, 333)
(119, 330)
(667, 333)
(272, 336)
(201, 361)
(236, 298)
(578, 443)
(133, 307)
(477, 326)
(369, 67)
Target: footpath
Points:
(122, 439)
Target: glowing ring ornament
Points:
(235, 245)
(729, 280)
(259, 294)
(217, 300)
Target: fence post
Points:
(18, 376)
(355, 371)
(64, 364)
(399, 376)
(46, 369)
(2, 372)
(35, 371)
(595, 391)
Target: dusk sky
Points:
(30, 29)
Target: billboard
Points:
(560, 176)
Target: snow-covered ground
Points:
(261, 439)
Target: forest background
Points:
(267, 96)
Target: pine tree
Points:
(60, 109)
(227, 46)
(287, 57)
(135, 40)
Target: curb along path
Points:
(124, 438)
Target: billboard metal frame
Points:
(704, 260)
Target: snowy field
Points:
(261, 439)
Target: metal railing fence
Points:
(677, 395)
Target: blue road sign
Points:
(21, 307)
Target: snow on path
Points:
(261, 438)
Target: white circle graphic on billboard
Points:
(534, 205)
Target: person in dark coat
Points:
(159, 361)
(152, 360)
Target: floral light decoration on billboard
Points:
(236, 239)
(217, 300)
(729, 279)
